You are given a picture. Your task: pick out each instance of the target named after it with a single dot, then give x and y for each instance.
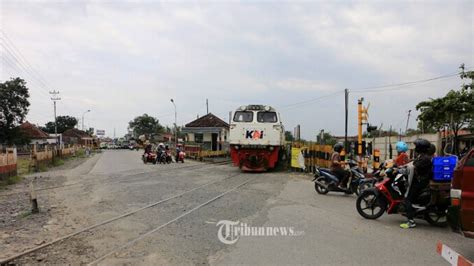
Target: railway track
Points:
(112, 180)
(61, 240)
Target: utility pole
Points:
(346, 95)
(175, 124)
(207, 106)
(55, 97)
(83, 118)
(408, 120)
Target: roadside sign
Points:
(100, 132)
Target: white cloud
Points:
(122, 59)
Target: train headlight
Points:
(271, 148)
(236, 147)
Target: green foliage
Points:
(328, 139)
(454, 111)
(13, 110)
(289, 136)
(380, 133)
(64, 123)
(145, 125)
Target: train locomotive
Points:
(256, 138)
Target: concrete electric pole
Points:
(55, 97)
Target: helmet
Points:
(338, 147)
(161, 144)
(422, 146)
(432, 149)
(402, 146)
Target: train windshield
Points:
(267, 117)
(243, 116)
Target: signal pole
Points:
(363, 118)
(55, 97)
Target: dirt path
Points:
(19, 228)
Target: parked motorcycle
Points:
(325, 181)
(149, 158)
(388, 195)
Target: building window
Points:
(198, 138)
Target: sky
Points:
(121, 59)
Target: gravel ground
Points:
(118, 182)
(19, 228)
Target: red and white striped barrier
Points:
(452, 256)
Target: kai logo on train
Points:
(254, 134)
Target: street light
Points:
(175, 124)
(83, 118)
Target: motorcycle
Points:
(180, 157)
(325, 181)
(165, 157)
(370, 181)
(149, 158)
(388, 195)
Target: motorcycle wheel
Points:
(154, 161)
(437, 218)
(320, 189)
(370, 205)
(144, 160)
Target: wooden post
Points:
(34, 201)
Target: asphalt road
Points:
(184, 230)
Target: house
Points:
(76, 136)
(34, 134)
(209, 131)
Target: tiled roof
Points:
(208, 120)
(74, 132)
(33, 132)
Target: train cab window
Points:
(243, 116)
(267, 117)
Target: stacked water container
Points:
(443, 168)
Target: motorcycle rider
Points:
(148, 148)
(402, 158)
(419, 177)
(336, 166)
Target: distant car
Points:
(461, 211)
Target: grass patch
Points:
(23, 166)
(10, 181)
(25, 214)
(58, 162)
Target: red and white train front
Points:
(256, 138)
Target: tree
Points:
(64, 123)
(13, 109)
(145, 125)
(328, 139)
(454, 111)
(289, 136)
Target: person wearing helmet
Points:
(336, 166)
(420, 178)
(402, 158)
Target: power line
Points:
(15, 49)
(402, 85)
(21, 67)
